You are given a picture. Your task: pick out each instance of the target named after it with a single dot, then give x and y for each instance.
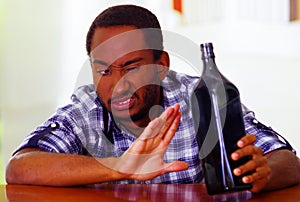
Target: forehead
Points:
(111, 43)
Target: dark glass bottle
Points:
(219, 124)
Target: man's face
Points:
(125, 75)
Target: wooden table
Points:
(133, 192)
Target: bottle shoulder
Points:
(217, 86)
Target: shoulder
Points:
(176, 78)
(84, 94)
(84, 101)
(179, 83)
(178, 88)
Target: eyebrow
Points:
(100, 62)
(129, 62)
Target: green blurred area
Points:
(1, 163)
(1, 168)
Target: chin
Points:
(130, 116)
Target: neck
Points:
(135, 127)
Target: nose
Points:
(119, 82)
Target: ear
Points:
(163, 65)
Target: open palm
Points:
(144, 159)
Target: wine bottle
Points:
(219, 124)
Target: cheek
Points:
(149, 93)
(96, 81)
(149, 76)
(96, 78)
(102, 90)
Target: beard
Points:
(150, 95)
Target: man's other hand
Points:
(257, 165)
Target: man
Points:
(134, 124)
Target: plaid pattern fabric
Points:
(82, 129)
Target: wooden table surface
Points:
(134, 192)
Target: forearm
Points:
(285, 167)
(45, 168)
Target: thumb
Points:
(176, 166)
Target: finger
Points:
(246, 140)
(175, 166)
(169, 119)
(176, 107)
(251, 165)
(172, 130)
(153, 129)
(168, 112)
(261, 173)
(249, 150)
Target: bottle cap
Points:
(207, 50)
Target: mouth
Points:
(122, 103)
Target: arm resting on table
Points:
(285, 169)
(34, 166)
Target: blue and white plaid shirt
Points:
(84, 127)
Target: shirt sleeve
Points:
(266, 138)
(58, 134)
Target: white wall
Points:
(261, 56)
(43, 49)
(30, 59)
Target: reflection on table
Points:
(134, 192)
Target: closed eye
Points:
(132, 69)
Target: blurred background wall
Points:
(42, 51)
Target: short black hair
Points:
(131, 15)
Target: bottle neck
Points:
(207, 50)
(208, 56)
(209, 64)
